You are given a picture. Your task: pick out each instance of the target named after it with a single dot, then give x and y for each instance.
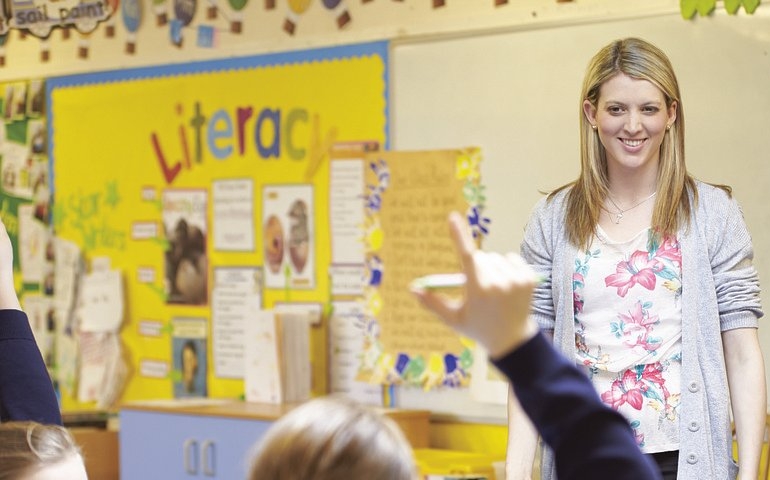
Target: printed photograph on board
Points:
(189, 357)
(186, 260)
(288, 242)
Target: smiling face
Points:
(631, 117)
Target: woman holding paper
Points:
(649, 282)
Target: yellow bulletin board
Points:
(221, 145)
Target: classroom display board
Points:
(516, 96)
(206, 185)
(409, 198)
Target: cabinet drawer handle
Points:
(208, 448)
(190, 451)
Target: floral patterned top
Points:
(628, 330)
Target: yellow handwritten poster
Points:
(408, 198)
(166, 171)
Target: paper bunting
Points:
(175, 32)
(337, 7)
(109, 24)
(184, 11)
(84, 46)
(732, 6)
(296, 9)
(159, 7)
(206, 36)
(212, 10)
(236, 21)
(132, 15)
(45, 50)
(705, 7)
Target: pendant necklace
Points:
(619, 214)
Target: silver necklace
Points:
(620, 211)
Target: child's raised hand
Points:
(498, 289)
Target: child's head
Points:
(32, 451)
(333, 439)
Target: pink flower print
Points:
(627, 389)
(637, 326)
(653, 373)
(669, 250)
(639, 269)
(577, 300)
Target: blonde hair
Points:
(332, 438)
(28, 446)
(639, 60)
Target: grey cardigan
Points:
(720, 291)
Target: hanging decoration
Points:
(159, 7)
(109, 24)
(337, 7)
(702, 7)
(211, 10)
(175, 32)
(84, 45)
(132, 15)
(45, 50)
(705, 7)
(236, 21)
(296, 8)
(184, 11)
(39, 17)
(207, 36)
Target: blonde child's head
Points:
(333, 439)
(33, 451)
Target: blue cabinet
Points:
(178, 440)
(186, 446)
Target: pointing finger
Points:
(463, 241)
